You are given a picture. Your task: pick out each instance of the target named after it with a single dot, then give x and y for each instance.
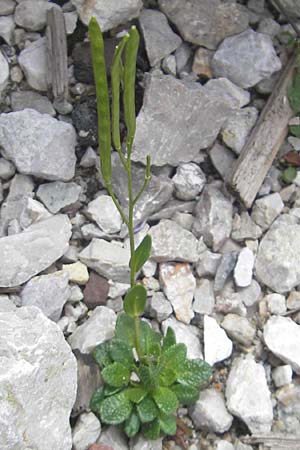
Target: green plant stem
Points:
(146, 179)
(114, 199)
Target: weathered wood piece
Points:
(274, 441)
(265, 140)
(57, 56)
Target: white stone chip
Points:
(217, 345)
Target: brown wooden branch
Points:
(57, 56)
(274, 441)
(265, 140)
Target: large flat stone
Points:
(38, 144)
(177, 120)
(28, 253)
(38, 382)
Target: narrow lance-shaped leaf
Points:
(104, 132)
(141, 254)
(129, 84)
(116, 76)
(135, 300)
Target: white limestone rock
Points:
(282, 375)
(233, 93)
(40, 152)
(189, 181)
(33, 62)
(185, 334)
(86, 431)
(159, 307)
(238, 127)
(28, 253)
(244, 268)
(77, 271)
(104, 212)
(108, 14)
(33, 100)
(210, 412)
(266, 209)
(217, 345)
(179, 286)
(248, 396)
(7, 28)
(108, 259)
(238, 53)
(38, 382)
(204, 298)
(47, 292)
(32, 14)
(58, 195)
(282, 337)
(239, 329)
(4, 73)
(99, 327)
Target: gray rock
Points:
(179, 285)
(275, 303)
(33, 62)
(238, 127)
(204, 298)
(205, 22)
(225, 268)
(4, 73)
(159, 307)
(157, 193)
(38, 370)
(278, 259)
(40, 152)
(168, 65)
(282, 337)
(249, 49)
(237, 96)
(217, 345)
(70, 21)
(7, 7)
(292, 7)
(58, 195)
(222, 159)
(251, 294)
(213, 217)
(32, 100)
(243, 227)
(210, 412)
(269, 26)
(86, 431)
(47, 292)
(108, 259)
(186, 334)
(7, 169)
(183, 55)
(244, 268)
(114, 437)
(141, 443)
(239, 328)
(99, 327)
(172, 207)
(171, 242)
(108, 14)
(28, 253)
(288, 411)
(208, 263)
(248, 396)
(31, 14)
(32, 212)
(7, 28)
(282, 375)
(159, 38)
(266, 209)
(104, 212)
(189, 181)
(224, 445)
(89, 158)
(194, 109)
(184, 220)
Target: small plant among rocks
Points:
(146, 375)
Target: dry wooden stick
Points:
(264, 142)
(57, 56)
(275, 441)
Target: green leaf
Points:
(166, 400)
(168, 424)
(125, 329)
(141, 253)
(148, 376)
(121, 352)
(96, 400)
(295, 130)
(148, 338)
(135, 394)
(294, 92)
(174, 357)
(135, 300)
(116, 76)
(111, 390)
(132, 425)
(147, 410)
(115, 409)
(167, 377)
(116, 375)
(169, 339)
(289, 174)
(186, 394)
(104, 132)
(129, 85)
(152, 430)
(194, 372)
(101, 355)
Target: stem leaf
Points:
(141, 254)
(135, 300)
(129, 84)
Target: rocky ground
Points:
(225, 278)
